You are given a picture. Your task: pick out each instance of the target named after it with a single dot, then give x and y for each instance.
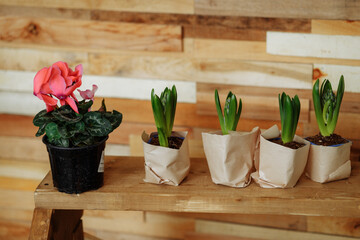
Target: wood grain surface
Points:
(124, 189)
(90, 34)
(319, 9)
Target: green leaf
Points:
(97, 125)
(41, 130)
(296, 114)
(289, 115)
(339, 95)
(237, 117)
(115, 118)
(318, 109)
(62, 142)
(160, 122)
(84, 106)
(64, 131)
(220, 113)
(230, 111)
(66, 114)
(42, 118)
(52, 132)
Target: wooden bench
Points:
(58, 215)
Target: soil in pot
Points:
(331, 140)
(292, 145)
(174, 142)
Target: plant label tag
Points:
(101, 164)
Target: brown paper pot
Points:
(230, 157)
(279, 166)
(328, 163)
(166, 165)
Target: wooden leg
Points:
(67, 224)
(40, 226)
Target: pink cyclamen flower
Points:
(88, 94)
(58, 81)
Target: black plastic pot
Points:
(76, 170)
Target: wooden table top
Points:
(124, 189)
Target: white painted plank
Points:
(117, 150)
(109, 86)
(313, 45)
(20, 103)
(334, 72)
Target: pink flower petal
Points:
(64, 68)
(72, 104)
(72, 88)
(40, 79)
(57, 83)
(49, 101)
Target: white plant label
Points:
(101, 164)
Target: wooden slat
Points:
(253, 106)
(28, 149)
(28, 59)
(108, 86)
(254, 50)
(103, 235)
(215, 27)
(90, 34)
(239, 230)
(336, 226)
(313, 45)
(290, 222)
(203, 236)
(33, 149)
(334, 72)
(45, 12)
(41, 225)
(186, 115)
(181, 6)
(124, 189)
(147, 224)
(335, 27)
(219, 70)
(13, 231)
(317, 224)
(319, 9)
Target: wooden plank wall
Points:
(257, 49)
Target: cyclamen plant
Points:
(73, 124)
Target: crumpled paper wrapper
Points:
(327, 163)
(231, 157)
(166, 165)
(279, 166)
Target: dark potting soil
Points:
(174, 142)
(333, 139)
(293, 144)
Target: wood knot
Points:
(33, 29)
(317, 73)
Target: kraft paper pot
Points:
(329, 163)
(279, 166)
(166, 165)
(231, 157)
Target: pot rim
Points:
(44, 140)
